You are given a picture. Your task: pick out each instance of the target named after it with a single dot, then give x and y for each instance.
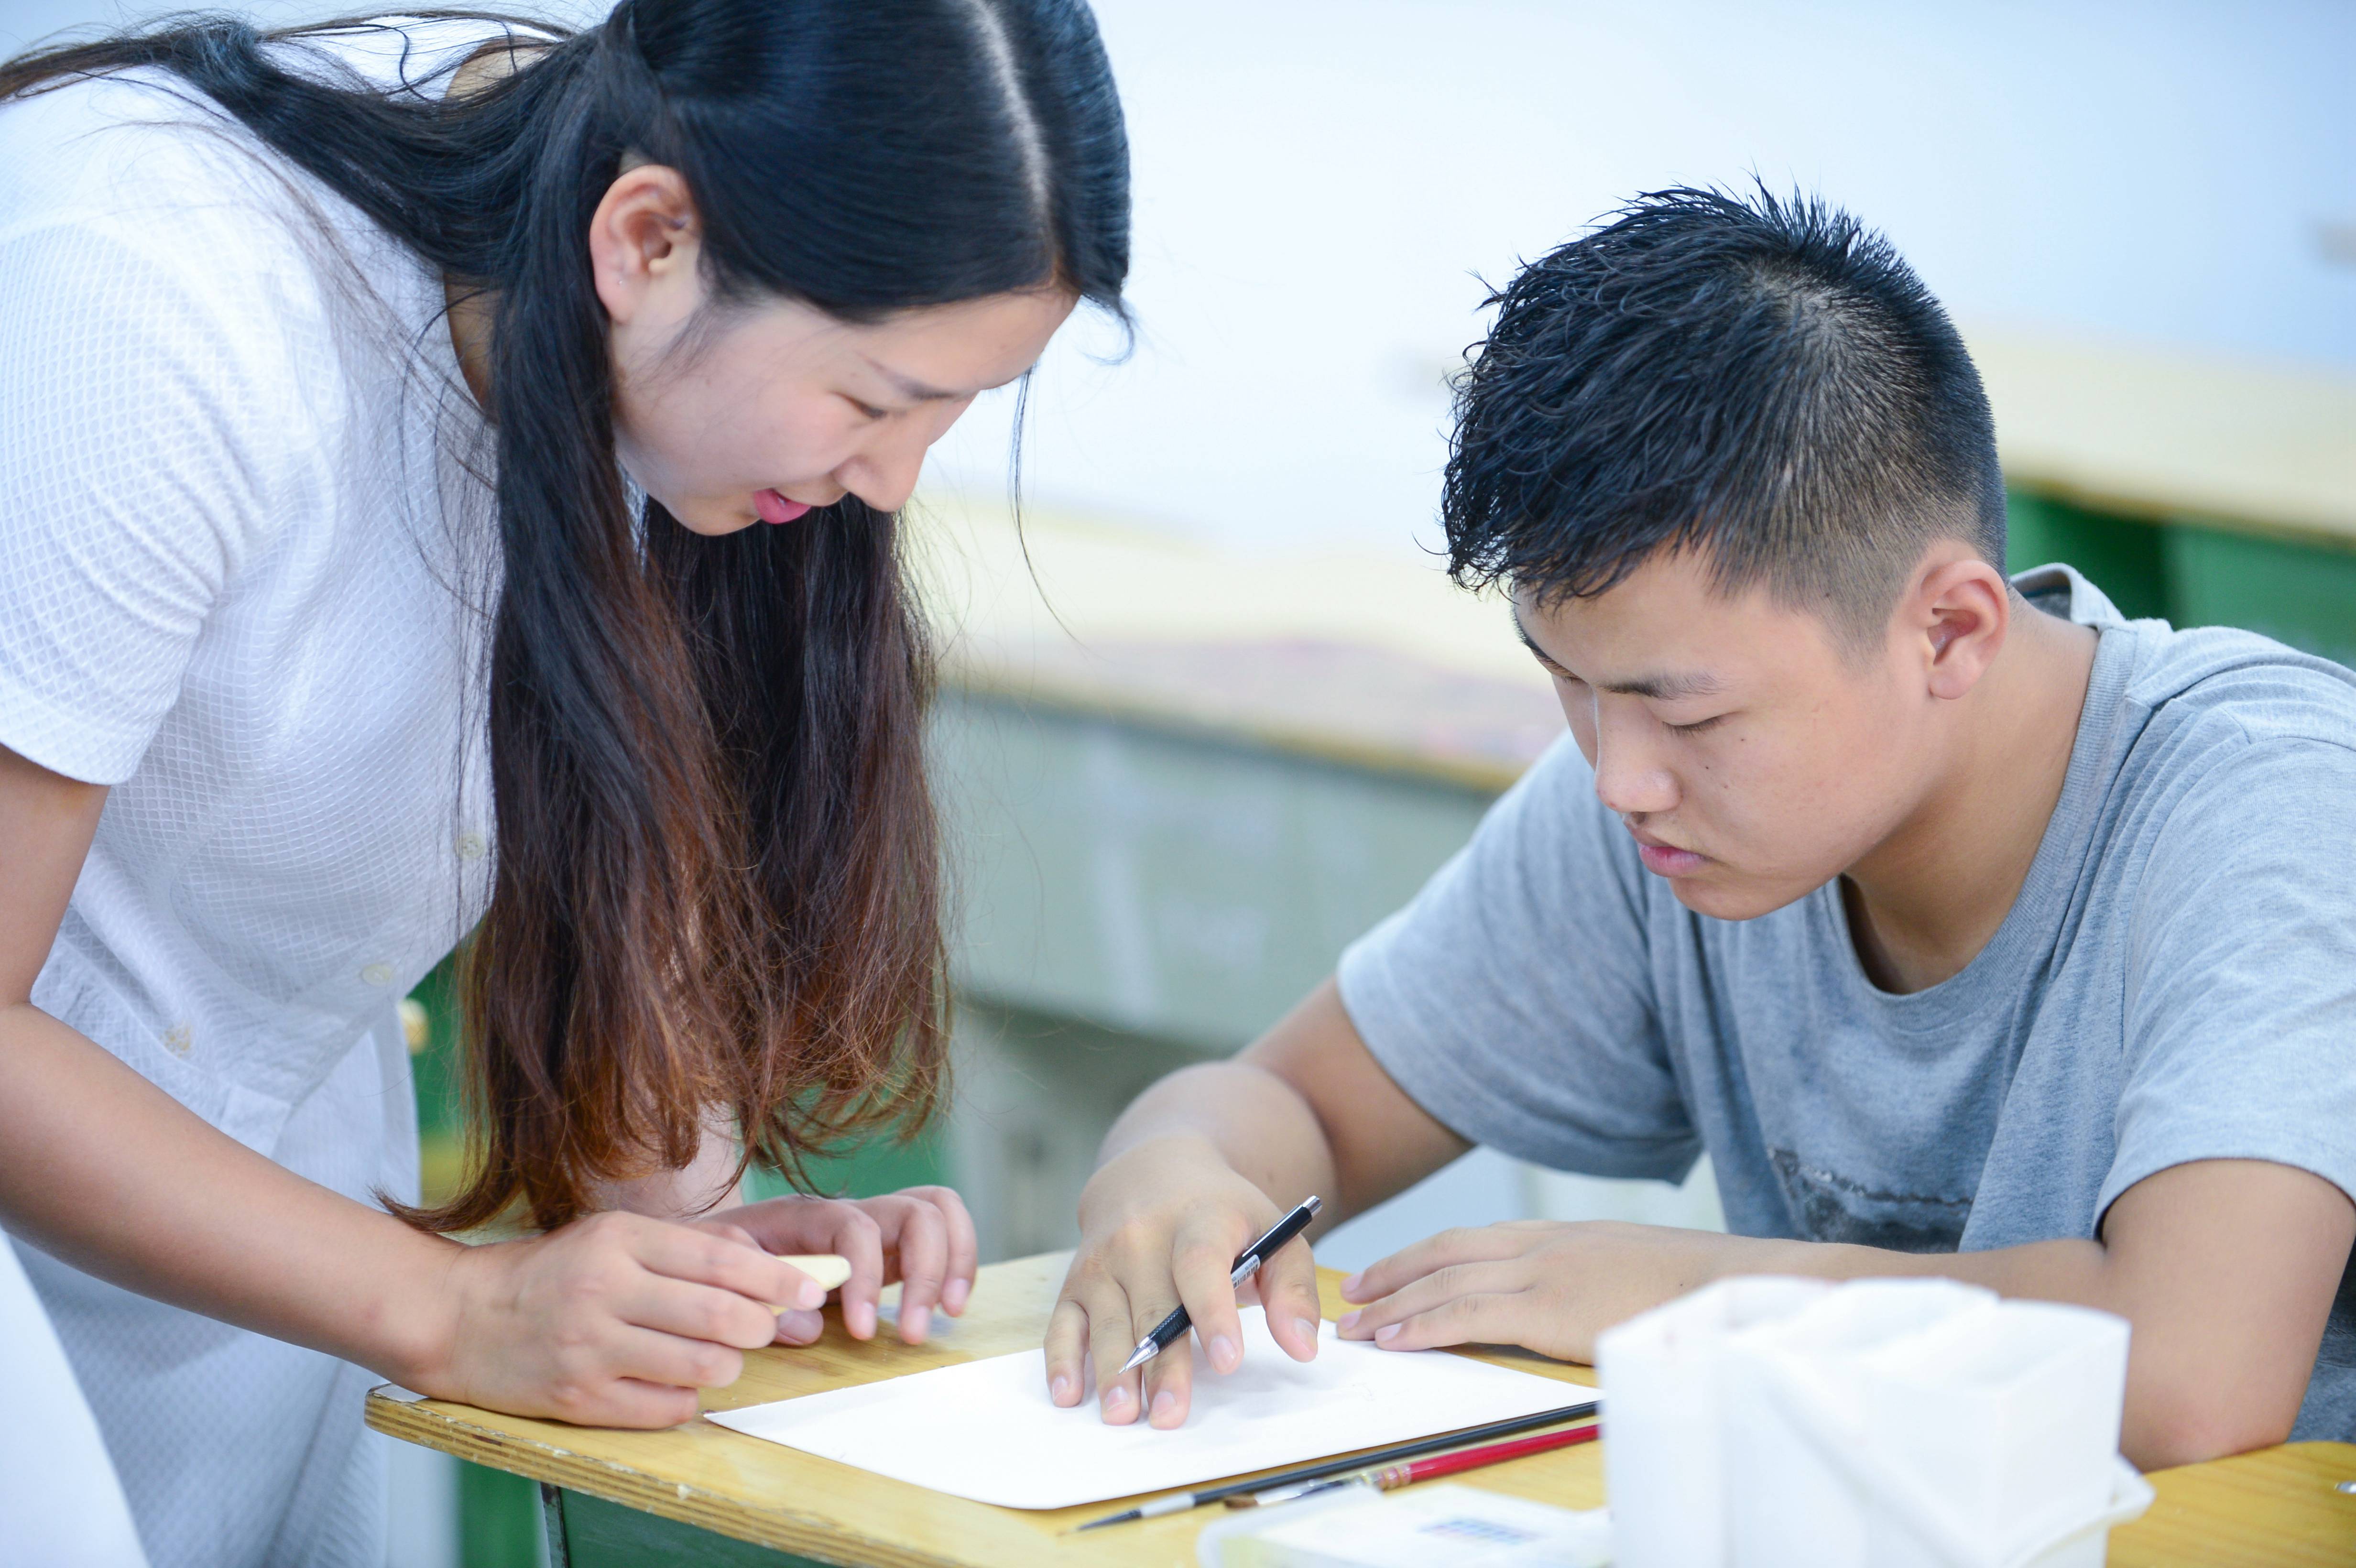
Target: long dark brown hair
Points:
(717, 879)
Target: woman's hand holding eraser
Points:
(922, 1238)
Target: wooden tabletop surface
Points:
(2171, 434)
(2277, 1507)
(1371, 659)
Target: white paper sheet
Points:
(985, 1430)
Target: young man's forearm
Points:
(2181, 1406)
(1254, 1122)
(1306, 1108)
(2225, 1269)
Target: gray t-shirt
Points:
(2176, 982)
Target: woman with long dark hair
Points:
(448, 478)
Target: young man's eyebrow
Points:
(1659, 687)
(1523, 633)
(1666, 688)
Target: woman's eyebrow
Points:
(909, 387)
(917, 391)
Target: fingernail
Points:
(914, 1321)
(1387, 1333)
(1348, 1320)
(1059, 1389)
(1116, 1398)
(1306, 1327)
(1224, 1354)
(811, 1294)
(861, 1320)
(800, 1328)
(953, 1296)
(1165, 1403)
(1350, 1286)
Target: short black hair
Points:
(1764, 380)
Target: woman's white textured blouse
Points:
(238, 546)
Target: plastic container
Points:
(1417, 1527)
(1881, 1424)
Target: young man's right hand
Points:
(1161, 1225)
(1201, 1167)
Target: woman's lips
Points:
(773, 508)
(1664, 862)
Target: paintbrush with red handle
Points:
(1391, 1476)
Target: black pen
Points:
(1247, 1264)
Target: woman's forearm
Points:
(103, 1171)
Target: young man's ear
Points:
(1958, 613)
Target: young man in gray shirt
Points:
(1971, 929)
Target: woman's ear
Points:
(644, 240)
(1962, 608)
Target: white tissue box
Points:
(1882, 1423)
(1420, 1526)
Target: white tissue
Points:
(1882, 1423)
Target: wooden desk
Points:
(705, 1495)
(2142, 431)
(2209, 492)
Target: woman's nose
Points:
(884, 475)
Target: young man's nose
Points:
(1630, 779)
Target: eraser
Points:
(830, 1269)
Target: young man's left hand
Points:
(1545, 1285)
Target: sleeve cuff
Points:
(74, 744)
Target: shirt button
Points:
(470, 847)
(376, 975)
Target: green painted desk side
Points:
(2192, 572)
(590, 1532)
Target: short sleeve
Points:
(1514, 998)
(2241, 984)
(151, 436)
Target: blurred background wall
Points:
(1225, 714)
(1322, 184)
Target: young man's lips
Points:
(774, 507)
(1664, 862)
